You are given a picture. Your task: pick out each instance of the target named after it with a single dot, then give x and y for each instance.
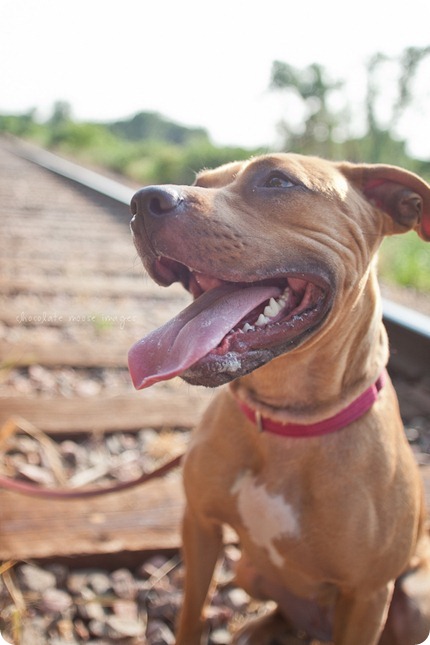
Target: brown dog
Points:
(304, 454)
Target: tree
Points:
(314, 88)
(379, 130)
(145, 126)
(321, 122)
(61, 114)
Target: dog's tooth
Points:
(272, 309)
(247, 327)
(283, 298)
(262, 320)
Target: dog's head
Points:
(269, 249)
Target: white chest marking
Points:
(266, 517)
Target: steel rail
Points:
(403, 316)
(77, 174)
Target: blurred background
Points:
(157, 90)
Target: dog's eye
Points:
(278, 180)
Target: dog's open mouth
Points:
(231, 327)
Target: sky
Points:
(203, 63)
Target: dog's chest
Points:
(266, 515)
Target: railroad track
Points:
(73, 299)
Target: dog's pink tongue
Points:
(193, 333)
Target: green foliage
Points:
(153, 127)
(73, 137)
(22, 125)
(405, 260)
(147, 147)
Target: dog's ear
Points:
(400, 193)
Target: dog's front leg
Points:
(201, 547)
(360, 619)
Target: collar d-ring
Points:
(259, 421)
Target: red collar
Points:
(351, 413)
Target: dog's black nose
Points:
(155, 201)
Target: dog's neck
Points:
(330, 370)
